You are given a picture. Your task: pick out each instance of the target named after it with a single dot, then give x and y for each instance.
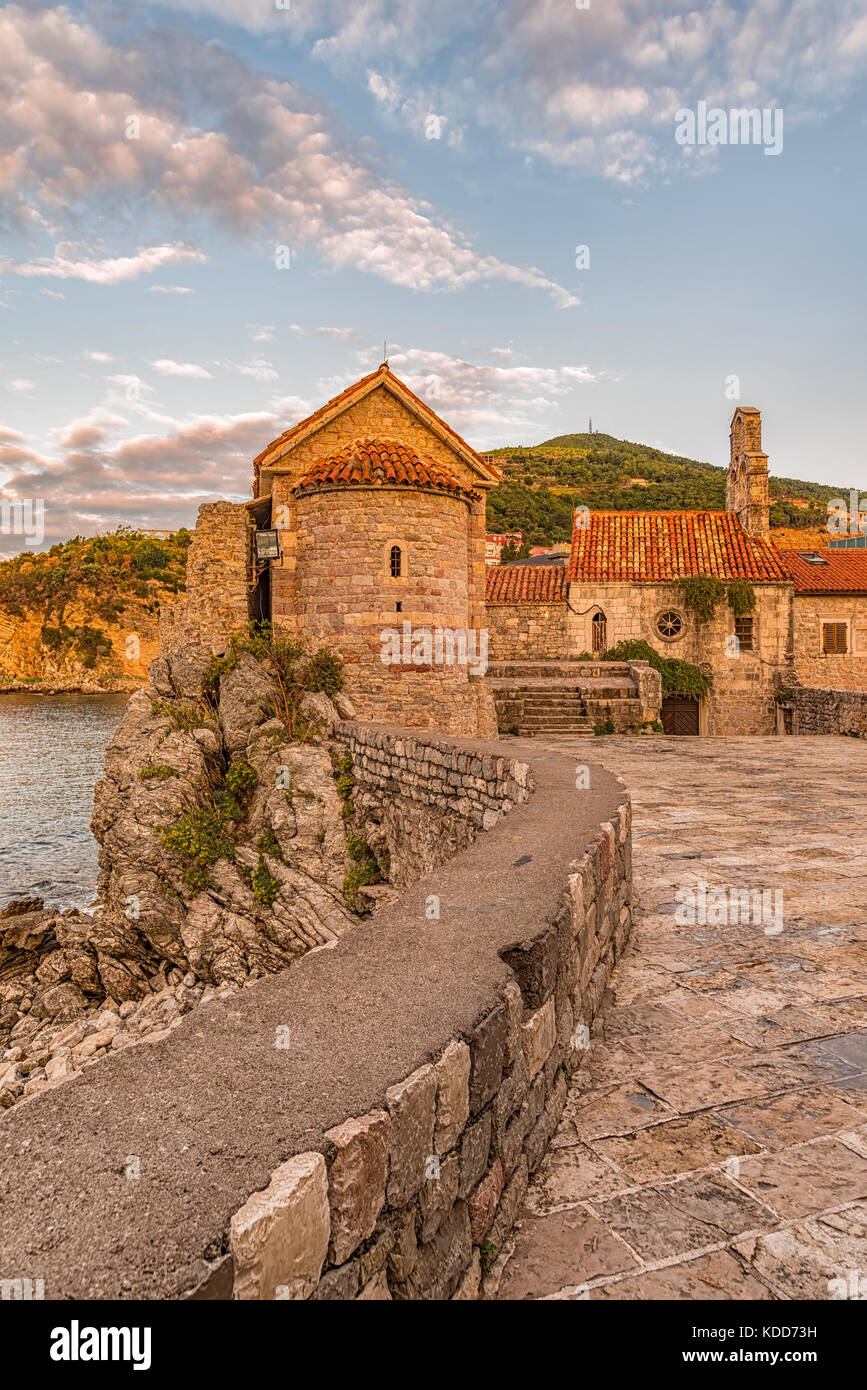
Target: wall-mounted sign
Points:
(267, 545)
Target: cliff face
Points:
(84, 615)
(121, 661)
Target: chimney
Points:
(747, 487)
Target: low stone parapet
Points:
(362, 1125)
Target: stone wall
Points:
(829, 711)
(422, 800)
(524, 631)
(219, 574)
(846, 671)
(742, 698)
(363, 1125)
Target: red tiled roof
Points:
(655, 547)
(377, 462)
(845, 572)
(345, 397)
(526, 584)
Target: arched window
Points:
(600, 641)
(395, 562)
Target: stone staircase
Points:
(562, 697)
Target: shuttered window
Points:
(834, 637)
(744, 633)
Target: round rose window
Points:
(669, 624)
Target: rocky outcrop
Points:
(223, 858)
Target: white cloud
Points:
(22, 384)
(257, 368)
(261, 332)
(169, 289)
(272, 167)
(111, 270)
(99, 357)
(166, 367)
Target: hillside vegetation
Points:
(67, 614)
(543, 482)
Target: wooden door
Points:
(680, 715)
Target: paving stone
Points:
(791, 1118)
(807, 1179)
(568, 1176)
(715, 1276)
(701, 1086)
(678, 1146)
(565, 1248)
(697, 1211)
(617, 1110)
(813, 1259)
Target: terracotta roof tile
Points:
(526, 584)
(844, 573)
(655, 547)
(379, 463)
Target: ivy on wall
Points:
(742, 598)
(678, 677)
(701, 593)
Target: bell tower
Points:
(747, 487)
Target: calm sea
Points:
(51, 753)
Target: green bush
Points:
(742, 598)
(678, 677)
(201, 836)
(156, 772)
(241, 780)
(150, 556)
(265, 886)
(325, 672)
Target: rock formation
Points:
(227, 841)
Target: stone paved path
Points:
(714, 1144)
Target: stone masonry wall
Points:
(829, 712)
(523, 631)
(343, 597)
(414, 1199)
(844, 671)
(384, 1153)
(424, 800)
(219, 570)
(742, 698)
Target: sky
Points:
(216, 212)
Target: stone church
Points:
(374, 511)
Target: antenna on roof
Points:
(590, 431)
(385, 353)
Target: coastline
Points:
(71, 687)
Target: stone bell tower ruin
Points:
(747, 488)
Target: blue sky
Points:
(432, 170)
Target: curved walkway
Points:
(714, 1144)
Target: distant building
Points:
(495, 542)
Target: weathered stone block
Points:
(339, 1283)
(438, 1196)
(483, 1202)
(535, 965)
(487, 1053)
(443, 1260)
(475, 1147)
(453, 1095)
(356, 1181)
(514, 1002)
(538, 1035)
(412, 1107)
(280, 1236)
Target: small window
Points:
(834, 638)
(812, 557)
(599, 631)
(744, 633)
(669, 624)
(395, 562)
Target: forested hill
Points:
(543, 482)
